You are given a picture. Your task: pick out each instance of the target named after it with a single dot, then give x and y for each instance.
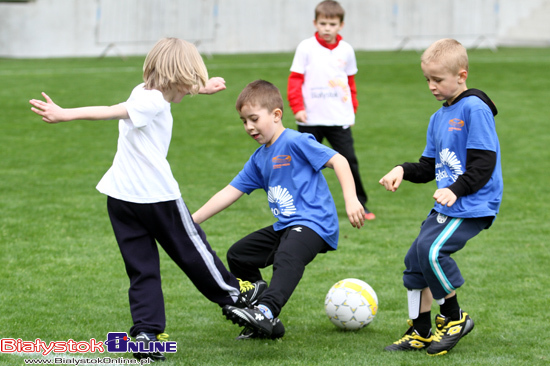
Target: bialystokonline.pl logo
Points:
(117, 342)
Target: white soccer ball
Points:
(351, 304)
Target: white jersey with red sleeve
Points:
(326, 92)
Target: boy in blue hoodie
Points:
(462, 153)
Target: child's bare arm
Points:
(219, 202)
(52, 113)
(393, 179)
(354, 208)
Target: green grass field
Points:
(62, 277)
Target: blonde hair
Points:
(329, 9)
(174, 63)
(260, 93)
(449, 52)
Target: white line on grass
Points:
(255, 65)
(131, 69)
(90, 70)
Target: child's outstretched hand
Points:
(50, 112)
(393, 179)
(445, 197)
(213, 85)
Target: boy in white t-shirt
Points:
(144, 201)
(321, 88)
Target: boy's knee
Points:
(232, 256)
(423, 254)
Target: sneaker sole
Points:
(405, 349)
(243, 319)
(277, 332)
(401, 348)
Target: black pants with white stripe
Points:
(138, 228)
(289, 251)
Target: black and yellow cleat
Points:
(411, 341)
(146, 338)
(448, 333)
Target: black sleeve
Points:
(421, 172)
(480, 165)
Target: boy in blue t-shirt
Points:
(288, 167)
(462, 153)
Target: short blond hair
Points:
(174, 63)
(329, 9)
(260, 93)
(449, 52)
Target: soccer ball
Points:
(351, 304)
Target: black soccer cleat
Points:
(253, 318)
(250, 293)
(251, 333)
(152, 356)
(411, 341)
(448, 333)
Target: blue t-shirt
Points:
(468, 124)
(290, 172)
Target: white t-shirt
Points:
(326, 91)
(140, 172)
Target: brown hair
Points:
(449, 52)
(260, 93)
(329, 9)
(174, 63)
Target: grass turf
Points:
(62, 276)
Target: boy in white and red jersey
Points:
(321, 88)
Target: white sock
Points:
(266, 311)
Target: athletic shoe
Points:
(250, 293)
(253, 318)
(250, 333)
(146, 338)
(411, 341)
(448, 333)
(369, 215)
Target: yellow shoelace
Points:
(162, 337)
(245, 285)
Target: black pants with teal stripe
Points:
(138, 227)
(428, 261)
